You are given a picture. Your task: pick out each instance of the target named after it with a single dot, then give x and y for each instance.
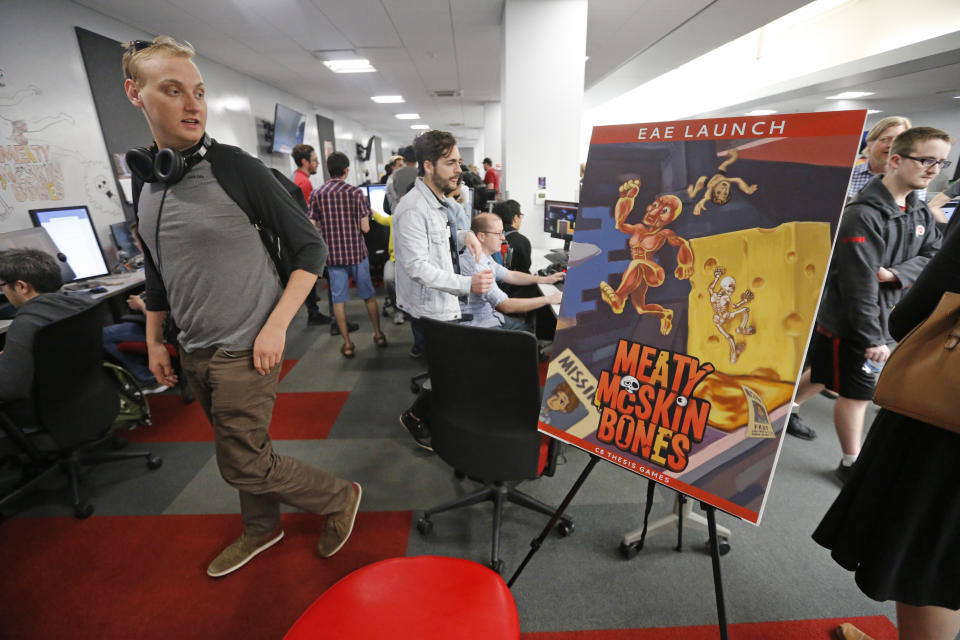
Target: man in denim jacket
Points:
(426, 244)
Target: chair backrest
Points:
(74, 399)
(485, 401)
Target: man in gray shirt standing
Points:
(230, 304)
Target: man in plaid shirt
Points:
(340, 212)
(876, 150)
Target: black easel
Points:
(537, 542)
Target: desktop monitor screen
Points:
(124, 239)
(37, 238)
(72, 231)
(559, 218)
(288, 128)
(950, 208)
(376, 193)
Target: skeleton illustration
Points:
(724, 309)
(718, 188)
(630, 383)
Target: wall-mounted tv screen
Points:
(71, 229)
(288, 128)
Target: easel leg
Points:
(682, 512)
(717, 582)
(538, 541)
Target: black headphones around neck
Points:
(166, 165)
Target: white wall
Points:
(51, 146)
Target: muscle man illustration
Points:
(721, 299)
(718, 188)
(646, 239)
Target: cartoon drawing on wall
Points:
(646, 239)
(32, 155)
(718, 188)
(99, 188)
(725, 309)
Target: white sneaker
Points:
(398, 318)
(160, 388)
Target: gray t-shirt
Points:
(220, 281)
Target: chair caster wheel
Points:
(497, 566)
(424, 526)
(154, 463)
(629, 551)
(83, 511)
(565, 529)
(724, 545)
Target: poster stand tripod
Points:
(683, 513)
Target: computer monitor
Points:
(950, 208)
(37, 238)
(71, 229)
(559, 219)
(124, 239)
(376, 193)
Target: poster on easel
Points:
(695, 271)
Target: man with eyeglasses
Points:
(886, 237)
(488, 309)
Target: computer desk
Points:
(538, 261)
(116, 285)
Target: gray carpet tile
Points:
(122, 488)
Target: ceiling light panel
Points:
(387, 99)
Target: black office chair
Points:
(71, 414)
(483, 418)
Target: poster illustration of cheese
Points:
(695, 271)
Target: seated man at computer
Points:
(30, 279)
(489, 309)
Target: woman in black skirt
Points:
(896, 523)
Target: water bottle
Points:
(872, 367)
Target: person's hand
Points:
(554, 277)
(555, 298)
(473, 245)
(481, 282)
(878, 354)
(136, 303)
(885, 275)
(268, 348)
(159, 362)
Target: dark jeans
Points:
(114, 334)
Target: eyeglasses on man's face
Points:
(929, 162)
(495, 233)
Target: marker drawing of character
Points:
(646, 239)
(563, 399)
(721, 299)
(718, 188)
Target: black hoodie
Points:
(874, 232)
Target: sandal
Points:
(348, 351)
(380, 341)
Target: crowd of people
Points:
(895, 520)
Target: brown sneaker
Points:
(337, 528)
(847, 631)
(241, 552)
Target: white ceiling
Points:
(417, 46)
(422, 46)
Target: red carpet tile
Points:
(286, 366)
(296, 416)
(145, 577)
(877, 627)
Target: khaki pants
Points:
(239, 402)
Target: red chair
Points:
(419, 598)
